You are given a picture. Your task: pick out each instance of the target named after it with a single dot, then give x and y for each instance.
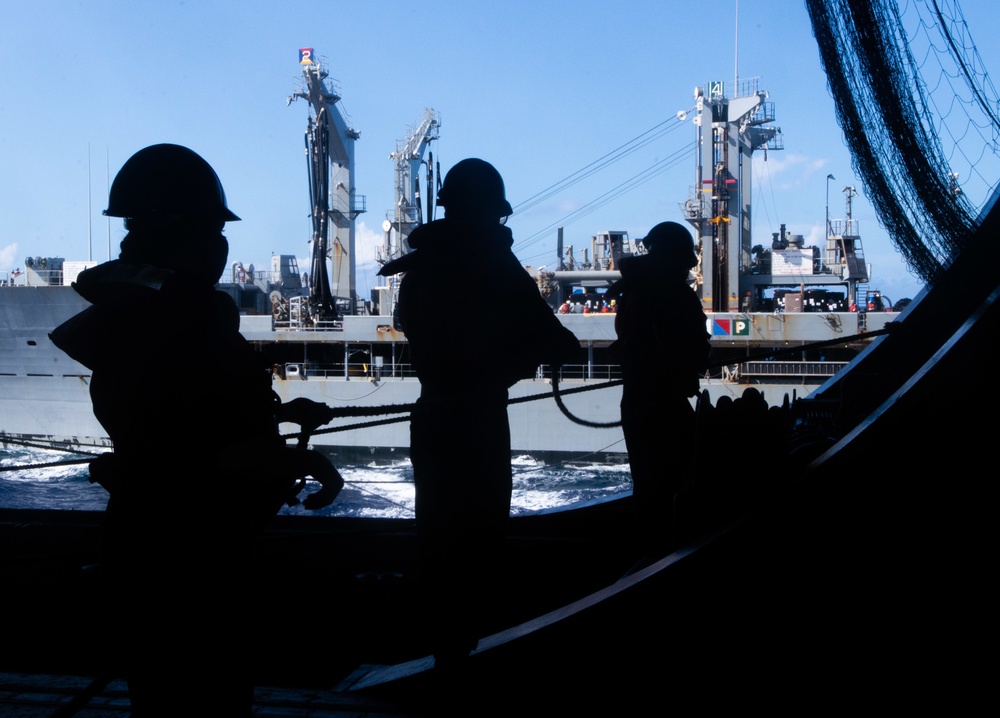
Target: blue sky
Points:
(540, 89)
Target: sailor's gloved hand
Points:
(306, 413)
(107, 470)
(324, 497)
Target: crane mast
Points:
(334, 202)
(408, 158)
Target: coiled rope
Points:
(751, 356)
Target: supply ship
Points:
(815, 572)
(783, 317)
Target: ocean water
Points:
(38, 479)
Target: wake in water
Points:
(371, 491)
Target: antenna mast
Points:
(90, 208)
(107, 171)
(736, 54)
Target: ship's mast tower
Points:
(734, 276)
(334, 202)
(728, 132)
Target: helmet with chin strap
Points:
(168, 179)
(671, 240)
(474, 187)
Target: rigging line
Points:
(557, 395)
(758, 171)
(46, 465)
(552, 187)
(363, 396)
(566, 184)
(595, 452)
(381, 497)
(386, 482)
(50, 447)
(394, 420)
(572, 417)
(612, 194)
(577, 390)
(556, 392)
(636, 180)
(335, 429)
(372, 410)
(601, 161)
(763, 354)
(581, 458)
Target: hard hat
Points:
(167, 179)
(671, 240)
(475, 185)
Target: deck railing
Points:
(791, 369)
(371, 370)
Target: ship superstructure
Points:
(735, 274)
(780, 318)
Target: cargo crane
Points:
(407, 212)
(334, 203)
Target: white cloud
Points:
(367, 245)
(789, 170)
(8, 257)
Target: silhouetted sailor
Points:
(185, 402)
(466, 359)
(663, 348)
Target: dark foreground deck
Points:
(47, 696)
(864, 583)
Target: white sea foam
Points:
(372, 490)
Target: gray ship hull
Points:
(45, 401)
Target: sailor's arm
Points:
(308, 414)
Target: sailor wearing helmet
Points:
(459, 431)
(663, 347)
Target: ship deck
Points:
(45, 695)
